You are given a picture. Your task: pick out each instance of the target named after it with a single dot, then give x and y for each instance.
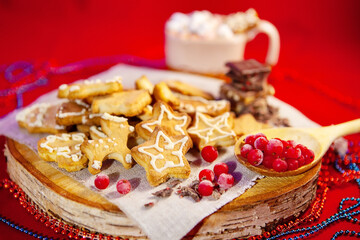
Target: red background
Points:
(318, 70)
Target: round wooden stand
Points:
(269, 202)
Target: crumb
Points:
(149, 205)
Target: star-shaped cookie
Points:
(173, 122)
(214, 131)
(114, 146)
(163, 156)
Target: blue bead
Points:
(30, 233)
(45, 238)
(40, 237)
(12, 225)
(17, 227)
(21, 229)
(353, 233)
(347, 231)
(35, 235)
(301, 236)
(296, 238)
(26, 231)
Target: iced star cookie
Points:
(96, 133)
(163, 156)
(64, 149)
(128, 103)
(192, 104)
(173, 122)
(187, 89)
(40, 118)
(114, 146)
(214, 131)
(90, 88)
(72, 113)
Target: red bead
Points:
(6, 185)
(47, 224)
(57, 230)
(267, 234)
(273, 232)
(71, 235)
(16, 195)
(37, 216)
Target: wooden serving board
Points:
(269, 202)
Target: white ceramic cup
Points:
(208, 56)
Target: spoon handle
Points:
(334, 131)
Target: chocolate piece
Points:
(188, 191)
(149, 205)
(248, 75)
(173, 183)
(166, 192)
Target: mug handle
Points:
(270, 30)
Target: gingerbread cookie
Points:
(187, 89)
(127, 103)
(90, 88)
(173, 122)
(64, 149)
(163, 156)
(163, 93)
(192, 104)
(114, 146)
(40, 118)
(214, 131)
(72, 113)
(246, 124)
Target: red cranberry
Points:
(206, 174)
(101, 181)
(205, 188)
(250, 139)
(291, 143)
(255, 157)
(301, 161)
(274, 147)
(260, 143)
(308, 155)
(209, 153)
(245, 149)
(292, 152)
(280, 165)
(226, 180)
(259, 135)
(123, 186)
(293, 164)
(220, 168)
(268, 161)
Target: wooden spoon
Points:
(316, 139)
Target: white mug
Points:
(208, 56)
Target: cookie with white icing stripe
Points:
(114, 146)
(40, 118)
(72, 113)
(193, 104)
(64, 149)
(173, 122)
(163, 156)
(96, 133)
(214, 131)
(90, 88)
(128, 103)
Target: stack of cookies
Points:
(248, 89)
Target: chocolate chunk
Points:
(247, 68)
(166, 192)
(188, 191)
(149, 205)
(173, 183)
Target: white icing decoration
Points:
(131, 128)
(109, 117)
(96, 165)
(98, 132)
(128, 158)
(177, 127)
(169, 145)
(208, 105)
(74, 88)
(63, 86)
(65, 150)
(213, 124)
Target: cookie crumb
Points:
(173, 183)
(149, 205)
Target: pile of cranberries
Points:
(277, 154)
(219, 175)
